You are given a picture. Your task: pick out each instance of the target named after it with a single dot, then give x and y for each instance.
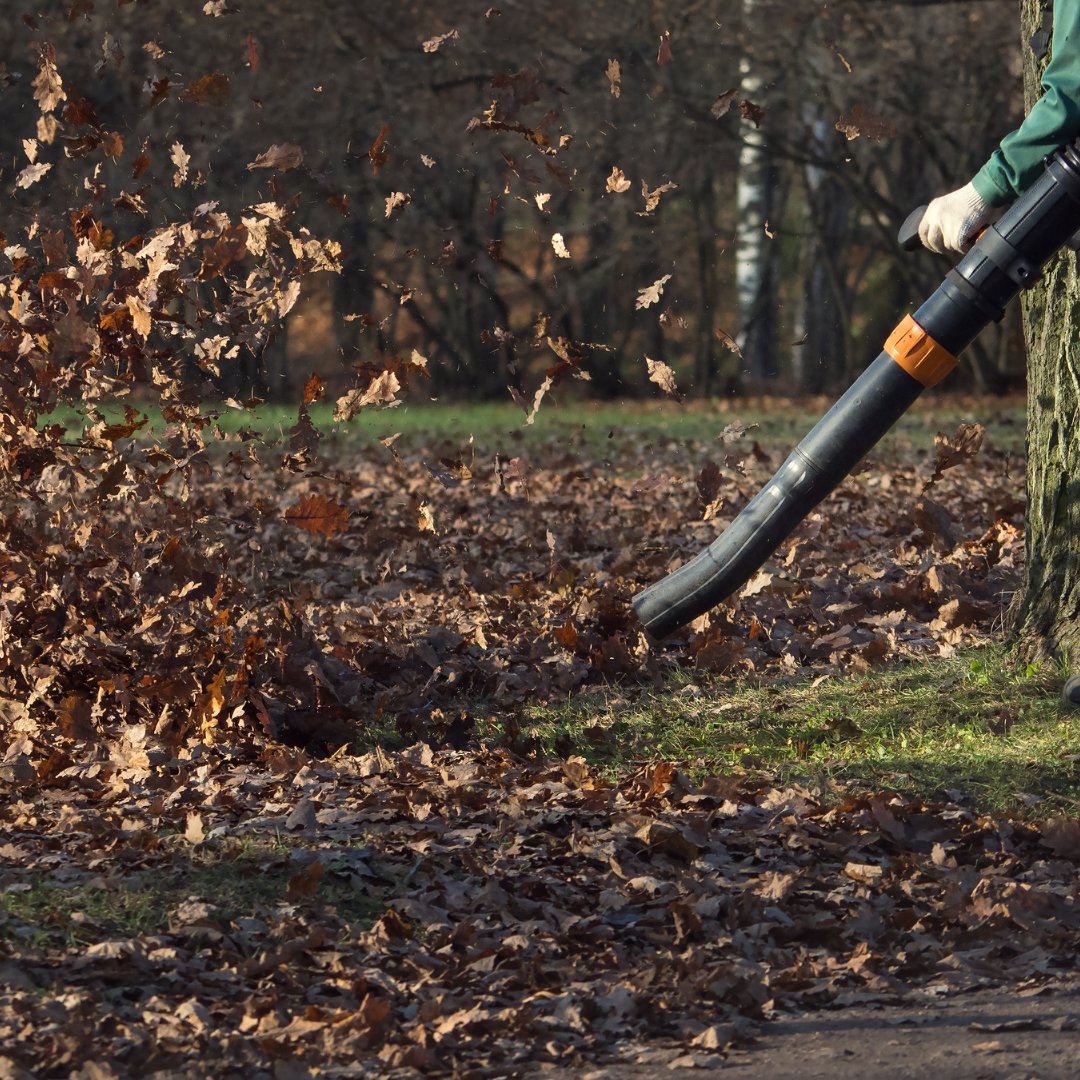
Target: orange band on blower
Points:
(918, 353)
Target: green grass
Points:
(244, 880)
(983, 725)
(602, 430)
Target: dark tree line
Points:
(795, 136)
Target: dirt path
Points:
(985, 1035)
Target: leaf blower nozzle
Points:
(919, 353)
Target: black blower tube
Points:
(1007, 257)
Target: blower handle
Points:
(908, 236)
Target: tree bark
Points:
(755, 259)
(1047, 612)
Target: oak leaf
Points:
(617, 182)
(652, 293)
(319, 516)
(663, 376)
(280, 156)
(210, 89)
(436, 43)
(614, 75)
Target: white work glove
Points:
(953, 221)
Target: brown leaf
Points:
(319, 516)
(963, 446)
(382, 390)
(663, 376)
(663, 55)
(395, 200)
(32, 174)
(436, 43)
(314, 389)
(614, 76)
(304, 885)
(379, 153)
(281, 156)
(870, 125)
(211, 90)
(652, 198)
(751, 112)
(48, 86)
(727, 341)
(617, 182)
(651, 294)
(722, 105)
(1062, 836)
(194, 832)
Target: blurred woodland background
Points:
(531, 189)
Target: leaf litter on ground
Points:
(518, 909)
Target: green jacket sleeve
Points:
(1053, 122)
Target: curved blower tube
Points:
(919, 353)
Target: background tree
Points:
(1049, 609)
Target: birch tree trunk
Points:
(755, 260)
(1048, 611)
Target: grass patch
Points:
(246, 879)
(600, 430)
(981, 726)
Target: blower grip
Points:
(908, 236)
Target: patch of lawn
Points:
(597, 430)
(244, 880)
(981, 726)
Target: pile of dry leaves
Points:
(524, 912)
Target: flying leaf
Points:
(663, 376)
(319, 516)
(652, 198)
(727, 341)
(436, 43)
(280, 156)
(211, 89)
(396, 200)
(617, 182)
(382, 391)
(48, 87)
(614, 74)
(651, 295)
(722, 105)
(751, 112)
(314, 389)
(559, 244)
(379, 152)
(32, 174)
(425, 518)
(180, 159)
(664, 56)
(140, 316)
(251, 46)
(868, 124)
(963, 446)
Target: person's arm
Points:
(1053, 122)
(953, 221)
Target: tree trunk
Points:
(1047, 614)
(755, 259)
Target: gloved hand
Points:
(953, 221)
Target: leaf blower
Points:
(919, 353)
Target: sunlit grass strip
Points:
(981, 726)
